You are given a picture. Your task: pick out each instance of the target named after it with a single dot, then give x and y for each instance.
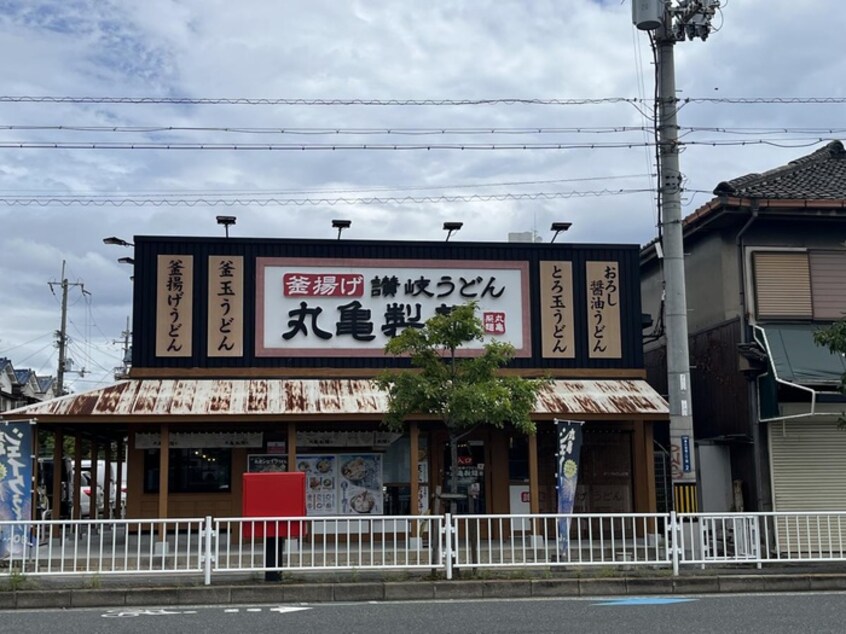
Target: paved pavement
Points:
(107, 591)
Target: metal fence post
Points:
(674, 542)
(207, 562)
(447, 550)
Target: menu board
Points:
(264, 463)
(321, 483)
(360, 484)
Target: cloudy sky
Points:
(311, 62)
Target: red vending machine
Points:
(279, 495)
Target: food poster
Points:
(266, 463)
(361, 484)
(321, 483)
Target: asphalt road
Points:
(748, 613)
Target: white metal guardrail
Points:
(101, 547)
(322, 544)
(219, 546)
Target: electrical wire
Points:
(291, 192)
(246, 101)
(617, 145)
(328, 131)
(285, 202)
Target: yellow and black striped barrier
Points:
(685, 499)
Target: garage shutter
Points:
(782, 285)
(808, 474)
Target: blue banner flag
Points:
(569, 447)
(15, 485)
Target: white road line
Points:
(253, 609)
(232, 611)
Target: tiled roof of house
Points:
(22, 376)
(820, 175)
(45, 383)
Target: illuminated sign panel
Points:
(310, 307)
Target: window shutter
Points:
(782, 285)
(828, 278)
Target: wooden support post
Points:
(414, 482)
(107, 481)
(119, 480)
(93, 505)
(58, 461)
(164, 467)
(534, 481)
(644, 469)
(36, 476)
(77, 468)
(292, 446)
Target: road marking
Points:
(286, 609)
(644, 601)
(253, 609)
(141, 612)
(232, 611)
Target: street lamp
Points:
(452, 227)
(226, 221)
(340, 225)
(558, 227)
(126, 260)
(118, 242)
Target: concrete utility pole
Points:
(62, 334)
(673, 21)
(123, 371)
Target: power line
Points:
(142, 145)
(284, 147)
(291, 192)
(442, 131)
(246, 101)
(328, 130)
(285, 202)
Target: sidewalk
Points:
(111, 592)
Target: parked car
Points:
(45, 488)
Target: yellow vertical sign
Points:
(226, 306)
(557, 327)
(174, 305)
(603, 310)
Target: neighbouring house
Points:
(765, 263)
(22, 387)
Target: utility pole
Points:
(673, 21)
(61, 335)
(123, 371)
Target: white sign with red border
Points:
(309, 307)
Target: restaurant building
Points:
(258, 354)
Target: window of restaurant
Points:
(190, 471)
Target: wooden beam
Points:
(414, 482)
(107, 481)
(365, 373)
(119, 478)
(77, 468)
(534, 479)
(93, 506)
(58, 460)
(36, 476)
(292, 446)
(164, 467)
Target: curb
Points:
(416, 591)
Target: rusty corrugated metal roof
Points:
(304, 397)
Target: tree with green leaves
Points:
(465, 392)
(833, 337)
